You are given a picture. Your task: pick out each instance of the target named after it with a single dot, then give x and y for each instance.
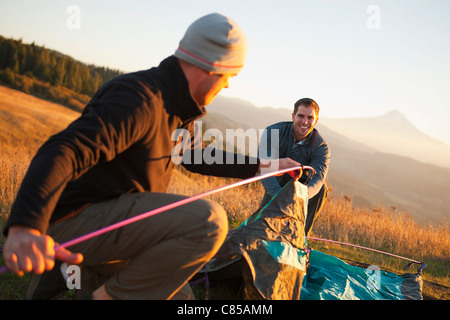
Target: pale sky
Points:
(356, 58)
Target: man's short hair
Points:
(308, 103)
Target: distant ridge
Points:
(360, 168)
(393, 133)
(389, 133)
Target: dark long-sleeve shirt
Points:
(121, 143)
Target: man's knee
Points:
(216, 220)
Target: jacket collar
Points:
(176, 91)
(308, 138)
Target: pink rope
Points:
(172, 206)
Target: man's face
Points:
(211, 86)
(304, 121)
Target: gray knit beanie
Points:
(214, 43)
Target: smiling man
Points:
(305, 118)
(299, 140)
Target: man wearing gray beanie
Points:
(214, 43)
(113, 163)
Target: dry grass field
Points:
(25, 122)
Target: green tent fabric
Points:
(268, 251)
(272, 245)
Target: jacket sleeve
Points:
(320, 162)
(268, 149)
(106, 127)
(271, 185)
(209, 160)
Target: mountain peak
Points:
(395, 118)
(394, 114)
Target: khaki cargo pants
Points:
(153, 258)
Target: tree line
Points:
(31, 68)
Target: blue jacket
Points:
(313, 151)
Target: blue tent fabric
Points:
(329, 278)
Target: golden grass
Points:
(383, 228)
(25, 123)
(27, 120)
(14, 160)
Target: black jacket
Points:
(122, 143)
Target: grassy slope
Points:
(25, 122)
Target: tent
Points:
(269, 252)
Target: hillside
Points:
(370, 177)
(49, 74)
(50, 66)
(25, 123)
(25, 119)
